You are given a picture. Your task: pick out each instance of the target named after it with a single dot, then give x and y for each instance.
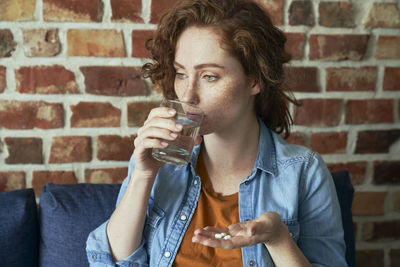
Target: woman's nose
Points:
(191, 93)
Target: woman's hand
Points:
(157, 129)
(267, 229)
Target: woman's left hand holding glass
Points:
(267, 229)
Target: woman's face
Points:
(212, 79)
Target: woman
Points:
(277, 202)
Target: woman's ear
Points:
(255, 89)
(255, 86)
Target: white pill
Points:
(227, 237)
(223, 234)
(218, 236)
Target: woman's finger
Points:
(150, 143)
(159, 133)
(162, 112)
(158, 122)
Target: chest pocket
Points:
(153, 220)
(294, 229)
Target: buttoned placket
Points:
(246, 213)
(182, 223)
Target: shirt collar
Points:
(193, 159)
(266, 157)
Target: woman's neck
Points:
(236, 147)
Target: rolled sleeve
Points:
(321, 231)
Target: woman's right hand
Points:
(158, 128)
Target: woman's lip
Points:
(194, 116)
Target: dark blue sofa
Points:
(55, 236)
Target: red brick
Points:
(351, 79)
(12, 180)
(298, 138)
(41, 42)
(113, 147)
(301, 79)
(391, 79)
(381, 140)
(338, 47)
(138, 112)
(114, 81)
(274, 9)
(2, 79)
(388, 47)
(295, 44)
(368, 203)
(383, 15)
(318, 112)
(29, 115)
(106, 176)
(381, 231)
(7, 44)
(72, 10)
(46, 80)
(126, 10)
(139, 39)
(394, 257)
(66, 149)
(329, 142)
(396, 201)
(24, 150)
(95, 114)
(386, 172)
(40, 178)
(22, 10)
(159, 7)
(369, 111)
(301, 13)
(357, 170)
(95, 43)
(369, 257)
(336, 14)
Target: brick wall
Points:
(71, 96)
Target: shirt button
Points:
(167, 254)
(183, 218)
(247, 183)
(252, 263)
(94, 257)
(290, 233)
(195, 182)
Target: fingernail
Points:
(179, 126)
(171, 111)
(164, 144)
(173, 135)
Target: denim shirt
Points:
(288, 179)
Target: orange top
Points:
(215, 210)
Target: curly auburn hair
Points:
(248, 34)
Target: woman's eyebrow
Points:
(201, 66)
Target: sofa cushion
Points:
(19, 228)
(67, 214)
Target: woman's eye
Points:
(180, 75)
(210, 78)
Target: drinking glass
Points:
(178, 151)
